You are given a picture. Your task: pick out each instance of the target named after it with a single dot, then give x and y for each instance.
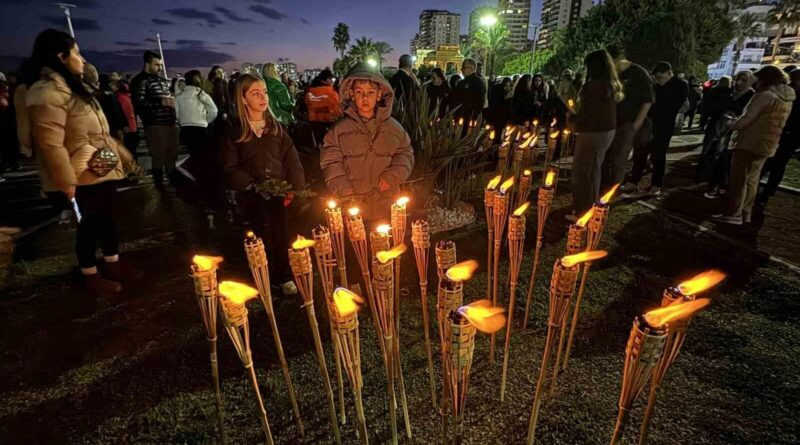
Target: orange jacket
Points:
(323, 104)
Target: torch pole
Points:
(382, 276)
(460, 350)
(358, 239)
(450, 296)
(543, 203)
(488, 204)
(501, 199)
(421, 239)
(399, 222)
(516, 241)
(333, 215)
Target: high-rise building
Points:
(756, 50)
(289, 68)
(516, 16)
(436, 28)
(557, 14)
(476, 14)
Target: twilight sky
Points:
(112, 34)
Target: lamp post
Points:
(65, 7)
(533, 43)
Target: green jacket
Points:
(281, 103)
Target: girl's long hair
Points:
(243, 83)
(47, 48)
(599, 66)
(523, 85)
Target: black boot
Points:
(158, 178)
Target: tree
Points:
(341, 38)
(746, 26)
(381, 48)
(362, 49)
(342, 66)
(491, 40)
(521, 63)
(785, 15)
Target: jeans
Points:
(590, 150)
(657, 150)
(162, 140)
(96, 204)
(615, 163)
(745, 174)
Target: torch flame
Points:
(551, 177)
(237, 292)
(491, 134)
(661, 316)
(384, 256)
(383, 229)
(488, 127)
(346, 301)
(702, 282)
(353, 211)
(553, 124)
(461, 121)
(607, 197)
(302, 243)
(571, 260)
(493, 183)
(528, 140)
(332, 204)
(462, 271)
(250, 234)
(402, 201)
(204, 262)
(535, 122)
(566, 132)
(507, 185)
(521, 209)
(526, 135)
(554, 134)
(485, 317)
(585, 218)
(526, 172)
(571, 103)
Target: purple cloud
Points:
(162, 22)
(231, 15)
(267, 12)
(78, 23)
(191, 13)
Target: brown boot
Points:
(96, 284)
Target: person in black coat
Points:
(438, 91)
(404, 82)
(522, 106)
(470, 93)
(499, 111)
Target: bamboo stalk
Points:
(501, 200)
(420, 238)
(333, 215)
(516, 241)
(382, 276)
(543, 204)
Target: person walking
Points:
(257, 148)
(470, 92)
(522, 103)
(404, 82)
(155, 104)
(437, 91)
(790, 141)
(281, 103)
(756, 138)
(631, 116)
(367, 154)
(78, 158)
(670, 95)
(195, 111)
(695, 94)
(594, 122)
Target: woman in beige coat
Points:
(77, 156)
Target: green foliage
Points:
(343, 65)
(381, 49)
(341, 38)
(785, 15)
(491, 41)
(521, 63)
(362, 49)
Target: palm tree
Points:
(491, 40)
(362, 49)
(380, 49)
(785, 15)
(745, 26)
(341, 38)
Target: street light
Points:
(372, 62)
(65, 7)
(487, 21)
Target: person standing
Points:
(539, 93)
(257, 148)
(695, 94)
(77, 155)
(156, 106)
(437, 91)
(670, 95)
(470, 92)
(196, 111)
(522, 104)
(323, 105)
(500, 105)
(130, 135)
(594, 122)
(367, 154)
(404, 82)
(281, 103)
(790, 141)
(714, 104)
(631, 115)
(756, 138)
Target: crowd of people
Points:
(82, 127)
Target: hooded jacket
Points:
(323, 104)
(759, 129)
(66, 132)
(354, 162)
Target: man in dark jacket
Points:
(156, 106)
(789, 143)
(671, 93)
(469, 94)
(404, 83)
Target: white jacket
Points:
(194, 107)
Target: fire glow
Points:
(521, 209)
(383, 229)
(493, 182)
(571, 260)
(528, 140)
(583, 220)
(302, 243)
(551, 177)
(402, 201)
(462, 271)
(701, 282)
(384, 256)
(554, 135)
(205, 263)
(610, 194)
(485, 317)
(346, 301)
(332, 204)
(507, 185)
(663, 315)
(353, 211)
(237, 292)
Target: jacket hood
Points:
(783, 92)
(362, 71)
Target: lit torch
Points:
(500, 213)
(524, 190)
(358, 239)
(204, 272)
(527, 149)
(445, 252)
(421, 239)
(502, 158)
(676, 333)
(399, 222)
(543, 204)
(333, 215)
(300, 262)
(562, 287)
(552, 143)
(234, 295)
(488, 204)
(516, 242)
(259, 269)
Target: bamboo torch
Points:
(502, 158)
(524, 189)
(462, 325)
(333, 216)
(445, 257)
(562, 286)
(259, 269)
(488, 204)
(399, 223)
(323, 250)
(596, 225)
(204, 273)
(676, 333)
(552, 143)
(543, 203)
(421, 239)
(516, 241)
(500, 213)
(234, 295)
(344, 308)
(300, 262)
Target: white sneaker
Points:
(289, 288)
(711, 195)
(657, 192)
(725, 219)
(629, 187)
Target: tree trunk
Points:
(777, 42)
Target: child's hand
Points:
(383, 186)
(288, 199)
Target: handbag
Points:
(101, 163)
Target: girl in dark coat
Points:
(522, 105)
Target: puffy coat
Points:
(759, 129)
(280, 102)
(66, 132)
(194, 107)
(150, 93)
(323, 104)
(355, 163)
(265, 157)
